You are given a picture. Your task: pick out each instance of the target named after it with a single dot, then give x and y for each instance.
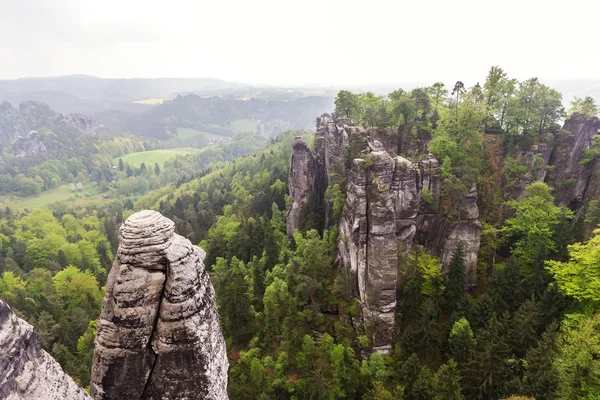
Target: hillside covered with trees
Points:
(528, 324)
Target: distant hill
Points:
(89, 94)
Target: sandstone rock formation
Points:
(302, 181)
(568, 147)
(384, 215)
(29, 145)
(81, 123)
(158, 336)
(27, 372)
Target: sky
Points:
(302, 42)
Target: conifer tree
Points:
(455, 284)
(428, 329)
(447, 382)
(525, 327)
(541, 378)
(490, 368)
(462, 344)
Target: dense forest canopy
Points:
(530, 327)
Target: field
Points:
(244, 125)
(189, 133)
(89, 193)
(153, 156)
(151, 101)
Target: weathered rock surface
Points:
(81, 123)
(158, 336)
(384, 217)
(302, 180)
(27, 372)
(569, 175)
(29, 145)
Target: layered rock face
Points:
(158, 336)
(29, 145)
(302, 180)
(566, 156)
(26, 370)
(384, 217)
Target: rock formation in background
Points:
(158, 336)
(29, 145)
(27, 372)
(567, 153)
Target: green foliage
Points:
(578, 351)
(579, 277)
(591, 153)
(447, 382)
(233, 298)
(584, 106)
(426, 196)
(534, 223)
(455, 283)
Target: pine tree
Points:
(121, 166)
(489, 369)
(462, 344)
(156, 169)
(447, 382)
(409, 373)
(525, 327)
(233, 298)
(552, 305)
(413, 289)
(143, 168)
(541, 378)
(455, 284)
(428, 329)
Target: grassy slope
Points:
(153, 156)
(89, 193)
(243, 125)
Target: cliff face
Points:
(302, 180)
(29, 145)
(27, 371)
(158, 335)
(384, 215)
(572, 178)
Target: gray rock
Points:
(29, 145)
(301, 182)
(158, 335)
(27, 372)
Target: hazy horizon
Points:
(315, 43)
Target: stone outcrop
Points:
(158, 336)
(569, 175)
(302, 180)
(26, 370)
(312, 170)
(29, 145)
(81, 123)
(384, 217)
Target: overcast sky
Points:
(302, 41)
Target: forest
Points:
(529, 328)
